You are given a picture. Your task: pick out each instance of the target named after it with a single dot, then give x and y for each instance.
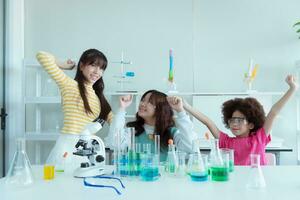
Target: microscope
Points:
(92, 147)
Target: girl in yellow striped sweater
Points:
(82, 98)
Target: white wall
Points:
(212, 41)
(144, 30)
(228, 33)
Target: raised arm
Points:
(203, 118)
(185, 135)
(280, 103)
(49, 63)
(118, 124)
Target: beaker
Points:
(197, 167)
(256, 178)
(150, 171)
(181, 170)
(20, 171)
(230, 153)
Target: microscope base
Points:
(88, 172)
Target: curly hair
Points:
(163, 114)
(249, 107)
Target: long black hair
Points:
(163, 117)
(93, 56)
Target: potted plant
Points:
(298, 27)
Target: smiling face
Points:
(239, 125)
(92, 72)
(146, 108)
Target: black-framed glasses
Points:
(237, 120)
(86, 183)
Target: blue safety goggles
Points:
(86, 183)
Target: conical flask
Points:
(256, 178)
(20, 171)
(197, 167)
(218, 163)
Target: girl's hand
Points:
(68, 65)
(176, 103)
(125, 101)
(291, 81)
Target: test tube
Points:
(131, 132)
(147, 148)
(117, 153)
(131, 152)
(157, 146)
(138, 158)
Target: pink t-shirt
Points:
(243, 147)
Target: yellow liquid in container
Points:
(48, 172)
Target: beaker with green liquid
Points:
(230, 153)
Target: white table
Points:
(283, 182)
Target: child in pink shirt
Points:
(246, 120)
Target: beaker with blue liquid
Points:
(150, 170)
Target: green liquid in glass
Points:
(231, 166)
(219, 173)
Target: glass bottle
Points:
(172, 160)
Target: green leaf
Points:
(297, 24)
(298, 31)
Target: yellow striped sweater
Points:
(75, 117)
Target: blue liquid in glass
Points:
(138, 162)
(123, 165)
(131, 163)
(199, 176)
(149, 174)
